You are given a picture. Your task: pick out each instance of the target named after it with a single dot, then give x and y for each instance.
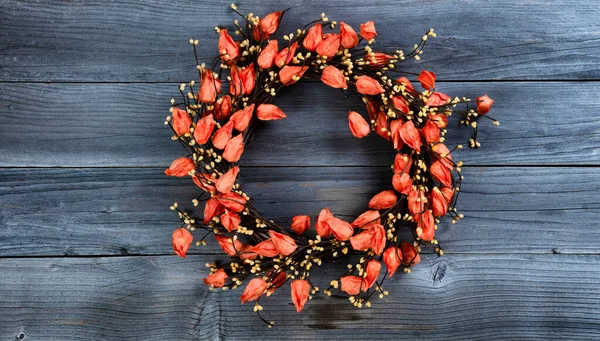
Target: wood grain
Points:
(492, 297)
(138, 40)
(83, 125)
(126, 211)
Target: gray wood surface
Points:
(84, 222)
(488, 297)
(139, 40)
(108, 125)
(54, 212)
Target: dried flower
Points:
(300, 224)
(181, 121)
(180, 167)
(427, 79)
(367, 30)
(216, 279)
(348, 35)
(181, 239)
(383, 200)
(227, 47)
(255, 288)
(484, 104)
(358, 125)
(269, 112)
(334, 77)
(368, 86)
(300, 289)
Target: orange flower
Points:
(409, 254)
(267, 57)
(212, 208)
(269, 112)
(300, 289)
(266, 248)
(222, 135)
(285, 244)
(181, 239)
(351, 284)
(410, 136)
(224, 107)
(181, 121)
(278, 281)
(334, 77)
(439, 204)
(448, 193)
(358, 125)
(208, 88)
(269, 23)
(378, 59)
(216, 279)
(416, 202)
(372, 269)
(234, 149)
(300, 224)
(367, 30)
(368, 86)
(341, 229)
(392, 257)
(329, 46)
(230, 221)
(381, 125)
(204, 181)
(227, 47)
(444, 155)
(373, 238)
(313, 37)
(367, 219)
(321, 225)
(257, 34)
(180, 167)
(255, 288)
(248, 78)
(226, 181)
(407, 84)
(484, 104)
(430, 132)
(426, 226)
(291, 74)
(349, 37)
(437, 99)
(400, 103)
(241, 118)
(440, 120)
(383, 200)
(427, 79)
(228, 245)
(402, 163)
(395, 126)
(232, 201)
(402, 183)
(286, 55)
(236, 86)
(441, 173)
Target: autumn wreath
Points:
(214, 126)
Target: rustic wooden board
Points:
(492, 297)
(125, 211)
(82, 125)
(139, 40)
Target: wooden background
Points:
(84, 222)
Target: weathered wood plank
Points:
(138, 40)
(82, 125)
(492, 297)
(125, 211)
